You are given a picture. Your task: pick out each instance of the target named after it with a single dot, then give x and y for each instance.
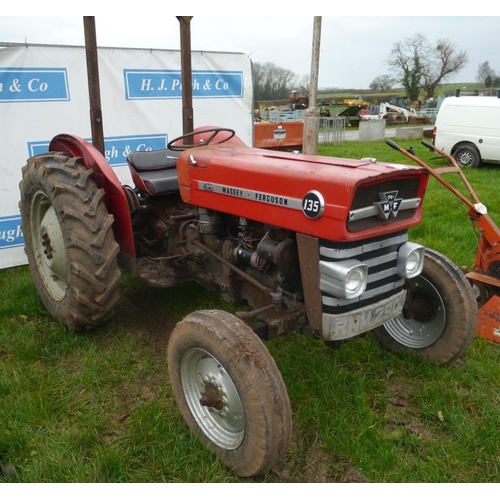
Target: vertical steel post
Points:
(93, 82)
(311, 121)
(186, 76)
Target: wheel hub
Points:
(211, 397)
(422, 309)
(49, 246)
(423, 319)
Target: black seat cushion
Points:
(157, 169)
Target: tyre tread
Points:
(88, 234)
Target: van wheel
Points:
(467, 156)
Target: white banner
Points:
(44, 92)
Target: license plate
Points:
(347, 325)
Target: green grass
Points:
(97, 407)
(380, 96)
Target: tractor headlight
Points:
(345, 280)
(355, 281)
(410, 260)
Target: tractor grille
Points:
(380, 255)
(381, 204)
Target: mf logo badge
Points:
(389, 204)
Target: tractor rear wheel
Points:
(439, 320)
(69, 240)
(229, 391)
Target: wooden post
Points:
(93, 82)
(311, 121)
(186, 72)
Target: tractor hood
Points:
(332, 198)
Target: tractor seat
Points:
(154, 172)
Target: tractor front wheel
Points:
(69, 240)
(439, 320)
(229, 391)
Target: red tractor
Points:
(300, 242)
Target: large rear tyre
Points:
(229, 391)
(69, 241)
(439, 319)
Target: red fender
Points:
(115, 198)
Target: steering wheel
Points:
(210, 140)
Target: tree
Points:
(420, 65)
(303, 84)
(407, 60)
(483, 71)
(271, 82)
(382, 82)
(492, 81)
(446, 60)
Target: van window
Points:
(472, 117)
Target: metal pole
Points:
(93, 82)
(186, 76)
(311, 121)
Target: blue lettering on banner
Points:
(116, 149)
(38, 147)
(33, 84)
(164, 84)
(11, 234)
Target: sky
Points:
(353, 49)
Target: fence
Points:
(276, 116)
(427, 112)
(332, 130)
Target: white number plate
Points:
(347, 325)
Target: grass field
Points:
(380, 96)
(97, 407)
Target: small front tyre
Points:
(439, 319)
(229, 391)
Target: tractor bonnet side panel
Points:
(308, 194)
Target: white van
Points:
(468, 128)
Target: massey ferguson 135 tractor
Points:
(301, 242)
